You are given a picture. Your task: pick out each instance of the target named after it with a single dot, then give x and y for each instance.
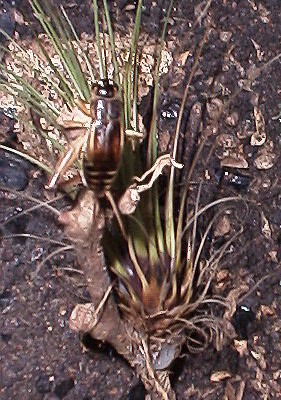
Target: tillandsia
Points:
(145, 269)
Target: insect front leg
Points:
(66, 161)
(83, 106)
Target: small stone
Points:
(225, 36)
(43, 384)
(13, 174)
(64, 387)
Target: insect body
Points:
(101, 146)
(104, 143)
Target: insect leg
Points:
(83, 151)
(66, 161)
(84, 107)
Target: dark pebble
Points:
(232, 178)
(13, 171)
(6, 337)
(5, 298)
(43, 384)
(241, 321)
(63, 388)
(137, 392)
(13, 178)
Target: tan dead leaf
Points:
(219, 376)
(232, 300)
(183, 57)
(265, 159)
(277, 374)
(19, 19)
(225, 36)
(273, 256)
(259, 136)
(232, 119)
(222, 275)
(241, 346)
(265, 226)
(130, 199)
(227, 140)
(214, 108)
(235, 161)
(260, 359)
(222, 227)
(266, 310)
(78, 222)
(82, 317)
(258, 50)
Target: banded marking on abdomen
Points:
(98, 181)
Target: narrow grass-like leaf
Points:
(85, 58)
(62, 45)
(112, 44)
(170, 197)
(152, 148)
(102, 67)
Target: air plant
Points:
(147, 273)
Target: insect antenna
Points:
(104, 49)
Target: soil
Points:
(41, 358)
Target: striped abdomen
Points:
(104, 147)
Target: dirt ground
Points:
(41, 358)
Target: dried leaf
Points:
(265, 227)
(222, 227)
(259, 136)
(225, 36)
(129, 201)
(219, 376)
(264, 159)
(258, 50)
(241, 346)
(235, 161)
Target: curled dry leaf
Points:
(259, 136)
(265, 227)
(235, 161)
(266, 310)
(227, 140)
(241, 346)
(219, 376)
(214, 108)
(232, 300)
(225, 36)
(130, 199)
(222, 227)
(232, 119)
(258, 50)
(265, 159)
(259, 357)
(222, 275)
